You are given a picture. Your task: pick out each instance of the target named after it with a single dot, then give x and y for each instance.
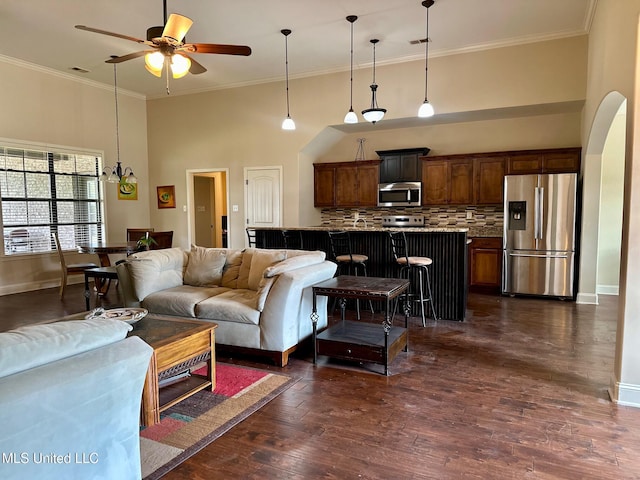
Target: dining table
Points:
(103, 249)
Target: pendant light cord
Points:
(351, 69)
(115, 93)
(286, 68)
(426, 56)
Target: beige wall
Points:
(41, 107)
(613, 67)
(240, 127)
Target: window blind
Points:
(47, 191)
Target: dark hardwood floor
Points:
(518, 391)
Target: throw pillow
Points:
(156, 270)
(232, 268)
(260, 261)
(204, 267)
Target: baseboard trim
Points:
(31, 286)
(587, 298)
(607, 289)
(626, 394)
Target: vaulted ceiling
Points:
(41, 33)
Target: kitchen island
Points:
(446, 246)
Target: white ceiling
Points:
(42, 33)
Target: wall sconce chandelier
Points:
(116, 173)
(374, 113)
(426, 109)
(351, 116)
(287, 123)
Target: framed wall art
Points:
(167, 196)
(127, 191)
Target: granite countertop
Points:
(472, 231)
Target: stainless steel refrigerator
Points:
(539, 234)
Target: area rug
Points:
(194, 423)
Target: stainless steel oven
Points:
(404, 194)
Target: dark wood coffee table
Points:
(356, 340)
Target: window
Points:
(45, 191)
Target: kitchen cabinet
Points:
(485, 264)
(346, 184)
(447, 181)
(401, 165)
(488, 173)
(560, 160)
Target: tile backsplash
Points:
(445, 216)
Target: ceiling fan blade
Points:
(195, 68)
(177, 27)
(131, 56)
(217, 48)
(104, 32)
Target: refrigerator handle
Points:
(536, 216)
(540, 211)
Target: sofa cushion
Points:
(295, 261)
(235, 305)
(180, 301)
(34, 345)
(204, 266)
(232, 268)
(260, 261)
(156, 270)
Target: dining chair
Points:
(162, 240)
(135, 234)
(68, 269)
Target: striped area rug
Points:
(192, 424)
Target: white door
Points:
(263, 199)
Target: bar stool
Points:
(407, 265)
(251, 237)
(292, 239)
(347, 261)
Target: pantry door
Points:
(263, 196)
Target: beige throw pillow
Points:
(204, 268)
(260, 261)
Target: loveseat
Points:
(261, 299)
(70, 396)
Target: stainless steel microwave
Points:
(403, 194)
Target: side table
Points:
(361, 341)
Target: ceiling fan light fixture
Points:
(154, 62)
(180, 65)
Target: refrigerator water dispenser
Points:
(517, 215)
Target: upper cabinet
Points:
(447, 181)
(477, 178)
(559, 160)
(401, 165)
(346, 184)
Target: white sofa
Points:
(261, 299)
(70, 396)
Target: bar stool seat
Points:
(408, 264)
(348, 262)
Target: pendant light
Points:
(374, 114)
(116, 173)
(351, 116)
(287, 123)
(426, 109)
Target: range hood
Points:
(401, 165)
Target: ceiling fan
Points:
(168, 47)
